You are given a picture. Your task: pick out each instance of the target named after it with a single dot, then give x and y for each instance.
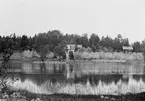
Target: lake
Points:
(85, 77)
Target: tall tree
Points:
(94, 42)
(119, 37)
(43, 50)
(106, 42)
(143, 45)
(125, 42)
(84, 40)
(137, 46)
(60, 49)
(117, 45)
(24, 42)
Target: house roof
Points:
(79, 46)
(73, 46)
(127, 47)
(70, 44)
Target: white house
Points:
(127, 48)
(71, 47)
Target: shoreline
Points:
(27, 96)
(76, 61)
(79, 60)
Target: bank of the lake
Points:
(27, 96)
(33, 56)
(109, 56)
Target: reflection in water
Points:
(79, 78)
(48, 87)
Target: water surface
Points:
(78, 77)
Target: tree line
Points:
(54, 41)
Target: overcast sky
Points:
(103, 17)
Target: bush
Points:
(77, 55)
(109, 55)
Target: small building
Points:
(71, 48)
(127, 48)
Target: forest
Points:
(55, 41)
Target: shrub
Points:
(109, 55)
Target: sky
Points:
(103, 17)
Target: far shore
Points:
(76, 60)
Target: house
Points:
(127, 48)
(72, 47)
(79, 46)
